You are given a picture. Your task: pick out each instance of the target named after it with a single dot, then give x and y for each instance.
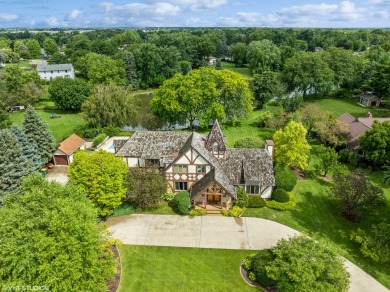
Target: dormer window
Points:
(215, 148)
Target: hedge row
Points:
(283, 206)
(235, 212)
(182, 202)
(198, 212)
(256, 202)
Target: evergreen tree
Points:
(4, 117)
(38, 135)
(131, 69)
(218, 64)
(13, 165)
(28, 150)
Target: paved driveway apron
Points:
(217, 232)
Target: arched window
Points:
(215, 148)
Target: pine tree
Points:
(38, 135)
(28, 149)
(218, 64)
(13, 165)
(131, 69)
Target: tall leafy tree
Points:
(263, 56)
(28, 150)
(102, 176)
(13, 165)
(110, 105)
(357, 195)
(291, 146)
(50, 46)
(57, 58)
(38, 135)
(239, 52)
(330, 130)
(376, 143)
(266, 85)
(131, 69)
(148, 62)
(66, 249)
(308, 73)
(328, 160)
(69, 94)
(34, 48)
(380, 75)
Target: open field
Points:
(23, 64)
(242, 70)
(150, 268)
(61, 128)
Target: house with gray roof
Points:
(203, 165)
(49, 72)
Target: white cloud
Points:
(52, 21)
(8, 17)
(380, 2)
(197, 5)
(74, 14)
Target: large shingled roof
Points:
(54, 67)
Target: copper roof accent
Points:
(71, 144)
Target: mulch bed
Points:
(113, 284)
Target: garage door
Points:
(61, 160)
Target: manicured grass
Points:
(128, 208)
(23, 64)
(150, 268)
(61, 128)
(317, 214)
(242, 70)
(339, 106)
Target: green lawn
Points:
(128, 208)
(61, 128)
(242, 70)
(339, 106)
(23, 64)
(147, 268)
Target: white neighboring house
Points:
(49, 72)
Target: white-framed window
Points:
(215, 148)
(181, 186)
(180, 168)
(201, 168)
(252, 189)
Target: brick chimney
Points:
(269, 146)
(369, 115)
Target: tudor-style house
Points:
(203, 165)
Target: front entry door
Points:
(213, 198)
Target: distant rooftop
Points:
(54, 67)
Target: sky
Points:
(194, 13)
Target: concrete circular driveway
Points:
(217, 232)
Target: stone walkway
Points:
(217, 232)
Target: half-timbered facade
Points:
(203, 165)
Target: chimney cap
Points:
(269, 142)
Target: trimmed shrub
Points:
(285, 179)
(242, 198)
(198, 212)
(256, 202)
(280, 195)
(344, 156)
(167, 197)
(283, 206)
(249, 142)
(182, 202)
(99, 139)
(235, 212)
(111, 131)
(258, 267)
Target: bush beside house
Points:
(182, 202)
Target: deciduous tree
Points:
(263, 56)
(239, 51)
(34, 48)
(109, 105)
(50, 46)
(102, 176)
(49, 236)
(329, 160)
(266, 86)
(146, 186)
(131, 69)
(330, 132)
(358, 196)
(376, 143)
(69, 94)
(291, 146)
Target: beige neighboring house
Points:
(357, 127)
(202, 165)
(64, 153)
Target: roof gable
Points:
(216, 136)
(71, 144)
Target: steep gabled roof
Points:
(214, 175)
(216, 136)
(71, 144)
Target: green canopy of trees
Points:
(69, 94)
(376, 143)
(50, 237)
(263, 56)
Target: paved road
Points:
(217, 232)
